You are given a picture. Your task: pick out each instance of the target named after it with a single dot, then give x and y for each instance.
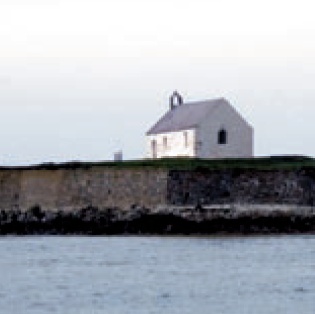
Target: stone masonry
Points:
(149, 187)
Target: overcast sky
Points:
(80, 79)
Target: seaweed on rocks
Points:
(138, 220)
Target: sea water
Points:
(264, 274)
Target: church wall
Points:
(239, 135)
(176, 144)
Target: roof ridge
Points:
(204, 101)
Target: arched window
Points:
(154, 148)
(165, 142)
(185, 139)
(222, 137)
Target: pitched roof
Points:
(185, 116)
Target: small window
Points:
(154, 149)
(185, 139)
(222, 137)
(165, 142)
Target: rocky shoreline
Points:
(200, 220)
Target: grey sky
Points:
(80, 79)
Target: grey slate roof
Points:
(185, 116)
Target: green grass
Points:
(260, 163)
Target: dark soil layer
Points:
(92, 221)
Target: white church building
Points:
(203, 129)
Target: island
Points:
(166, 196)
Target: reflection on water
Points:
(157, 274)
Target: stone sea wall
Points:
(241, 186)
(74, 189)
(113, 200)
(97, 186)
